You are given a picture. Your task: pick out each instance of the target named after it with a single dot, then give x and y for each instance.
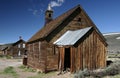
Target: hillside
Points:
(113, 40)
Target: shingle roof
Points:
(49, 27)
(19, 41)
(52, 25)
(71, 37)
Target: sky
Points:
(25, 17)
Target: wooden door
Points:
(65, 60)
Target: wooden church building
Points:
(71, 41)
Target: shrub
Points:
(111, 70)
(27, 69)
(8, 57)
(1, 56)
(82, 74)
(98, 74)
(22, 67)
(79, 75)
(10, 71)
(30, 70)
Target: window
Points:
(18, 45)
(79, 19)
(23, 45)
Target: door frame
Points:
(61, 58)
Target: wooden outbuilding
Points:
(16, 49)
(70, 41)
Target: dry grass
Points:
(111, 71)
(10, 71)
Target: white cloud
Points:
(35, 11)
(53, 4)
(56, 3)
(61, 1)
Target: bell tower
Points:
(48, 14)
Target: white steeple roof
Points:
(49, 7)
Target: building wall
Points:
(17, 50)
(52, 57)
(42, 56)
(36, 55)
(1, 52)
(91, 53)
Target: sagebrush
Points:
(111, 70)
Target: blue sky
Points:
(25, 17)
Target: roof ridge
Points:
(49, 27)
(65, 12)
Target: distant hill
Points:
(113, 40)
(3, 46)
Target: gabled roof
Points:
(42, 33)
(71, 37)
(49, 27)
(5, 46)
(19, 41)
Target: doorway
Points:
(67, 57)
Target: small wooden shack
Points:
(16, 49)
(71, 41)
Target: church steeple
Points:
(48, 14)
(49, 7)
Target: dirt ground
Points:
(15, 63)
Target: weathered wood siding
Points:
(91, 53)
(36, 55)
(42, 56)
(15, 49)
(52, 57)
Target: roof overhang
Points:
(71, 37)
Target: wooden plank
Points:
(61, 61)
(72, 51)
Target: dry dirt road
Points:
(15, 63)
(9, 62)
